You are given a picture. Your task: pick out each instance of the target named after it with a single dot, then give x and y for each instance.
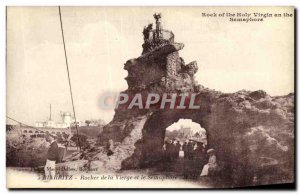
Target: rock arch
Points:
(247, 129)
(241, 130)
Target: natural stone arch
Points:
(148, 149)
(243, 127)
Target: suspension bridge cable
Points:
(70, 86)
(23, 123)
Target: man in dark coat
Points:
(172, 150)
(168, 151)
(185, 150)
(52, 155)
(190, 150)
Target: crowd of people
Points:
(195, 155)
(172, 149)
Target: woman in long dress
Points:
(212, 163)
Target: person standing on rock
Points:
(52, 156)
(177, 149)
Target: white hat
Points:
(210, 151)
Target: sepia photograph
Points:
(156, 97)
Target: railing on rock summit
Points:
(157, 39)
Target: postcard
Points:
(150, 97)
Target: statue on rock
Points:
(158, 31)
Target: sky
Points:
(231, 56)
(195, 127)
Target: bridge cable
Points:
(23, 124)
(70, 86)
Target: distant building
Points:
(67, 120)
(41, 128)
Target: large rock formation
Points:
(252, 132)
